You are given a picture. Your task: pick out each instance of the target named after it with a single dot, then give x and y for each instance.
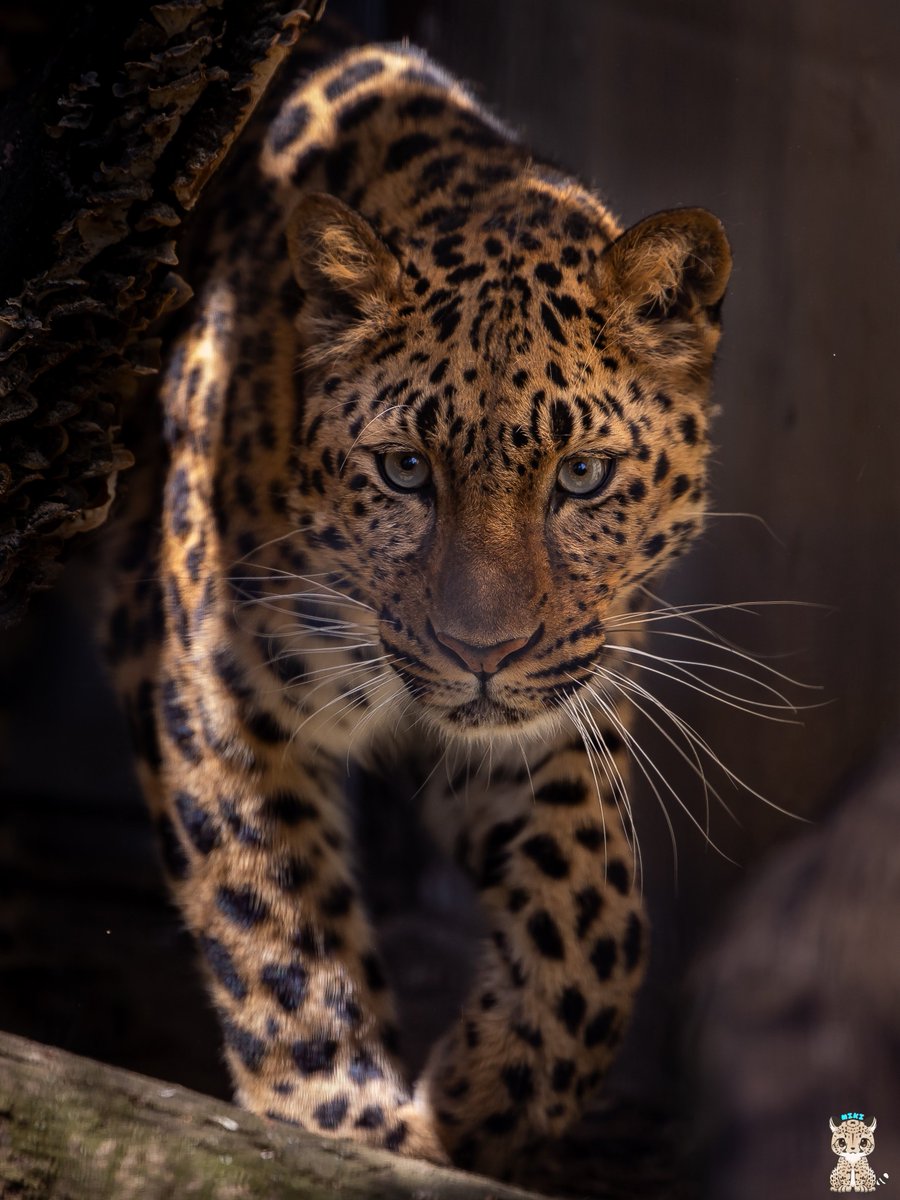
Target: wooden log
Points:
(75, 1129)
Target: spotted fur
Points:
(388, 270)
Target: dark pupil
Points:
(408, 463)
(580, 468)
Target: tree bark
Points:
(102, 156)
(74, 1129)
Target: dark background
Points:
(781, 116)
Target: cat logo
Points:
(853, 1141)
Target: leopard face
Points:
(512, 422)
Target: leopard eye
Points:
(405, 470)
(585, 475)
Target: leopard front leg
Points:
(567, 945)
(265, 881)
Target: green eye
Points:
(585, 475)
(405, 470)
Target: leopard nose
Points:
(484, 660)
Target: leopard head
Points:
(515, 405)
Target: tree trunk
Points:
(102, 156)
(74, 1129)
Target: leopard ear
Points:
(345, 270)
(672, 265)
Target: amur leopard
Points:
(433, 420)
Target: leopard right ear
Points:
(672, 265)
(347, 273)
(663, 281)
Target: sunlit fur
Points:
(385, 268)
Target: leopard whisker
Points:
(720, 697)
(316, 581)
(621, 793)
(335, 671)
(688, 730)
(331, 597)
(338, 675)
(745, 655)
(292, 630)
(652, 783)
(305, 597)
(411, 698)
(282, 537)
(590, 734)
(360, 694)
(688, 613)
(341, 646)
(644, 761)
(527, 767)
(682, 664)
(296, 606)
(748, 516)
(483, 758)
(324, 633)
(626, 686)
(649, 616)
(367, 716)
(312, 623)
(344, 696)
(384, 412)
(442, 758)
(582, 733)
(466, 748)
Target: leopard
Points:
(432, 421)
(852, 1141)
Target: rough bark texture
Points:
(72, 1129)
(101, 158)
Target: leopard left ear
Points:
(672, 265)
(345, 270)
